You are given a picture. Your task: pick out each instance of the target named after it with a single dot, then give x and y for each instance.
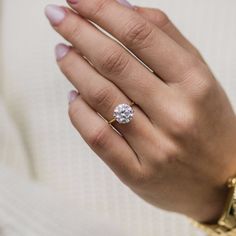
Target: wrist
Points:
(211, 204)
(213, 197)
(226, 223)
(213, 209)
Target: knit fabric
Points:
(51, 183)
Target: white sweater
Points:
(51, 183)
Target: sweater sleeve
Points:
(12, 150)
(29, 208)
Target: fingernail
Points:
(125, 3)
(72, 95)
(55, 14)
(61, 50)
(72, 1)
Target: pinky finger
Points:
(105, 141)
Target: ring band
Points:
(123, 114)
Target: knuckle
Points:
(103, 97)
(202, 81)
(207, 87)
(195, 64)
(138, 33)
(114, 61)
(97, 7)
(192, 68)
(171, 153)
(99, 138)
(187, 124)
(138, 179)
(161, 19)
(184, 124)
(74, 33)
(207, 81)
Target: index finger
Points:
(149, 43)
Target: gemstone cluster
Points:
(123, 113)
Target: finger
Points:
(105, 142)
(155, 48)
(103, 96)
(162, 21)
(112, 61)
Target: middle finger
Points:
(155, 48)
(113, 61)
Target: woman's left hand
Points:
(178, 150)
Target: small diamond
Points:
(123, 113)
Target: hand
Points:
(178, 151)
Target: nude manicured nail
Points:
(72, 1)
(61, 50)
(72, 95)
(55, 14)
(125, 3)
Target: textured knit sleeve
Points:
(26, 207)
(29, 209)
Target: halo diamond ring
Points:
(123, 114)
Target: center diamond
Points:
(123, 113)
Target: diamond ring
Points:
(123, 114)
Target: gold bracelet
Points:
(212, 230)
(226, 225)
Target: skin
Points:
(178, 151)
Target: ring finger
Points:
(103, 140)
(103, 96)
